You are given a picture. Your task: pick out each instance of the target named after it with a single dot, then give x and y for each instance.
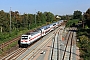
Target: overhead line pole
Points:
(35, 16)
(10, 20)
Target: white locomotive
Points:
(31, 37)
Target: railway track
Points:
(68, 48)
(55, 46)
(14, 54)
(9, 42)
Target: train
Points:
(30, 37)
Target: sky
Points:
(57, 7)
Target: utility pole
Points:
(10, 20)
(35, 16)
(83, 20)
(28, 21)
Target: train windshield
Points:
(24, 37)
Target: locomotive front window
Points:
(24, 37)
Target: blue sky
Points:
(57, 7)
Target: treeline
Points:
(24, 21)
(82, 17)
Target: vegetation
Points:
(84, 43)
(87, 17)
(72, 22)
(83, 35)
(77, 15)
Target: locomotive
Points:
(27, 39)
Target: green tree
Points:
(39, 17)
(77, 15)
(50, 17)
(87, 17)
(31, 20)
(3, 21)
(44, 18)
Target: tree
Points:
(77, 15)
(39, 17)
(31, 20)
(50, 17)
(87, 17)
(4, 23)
(44, 18)
(1, 19)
